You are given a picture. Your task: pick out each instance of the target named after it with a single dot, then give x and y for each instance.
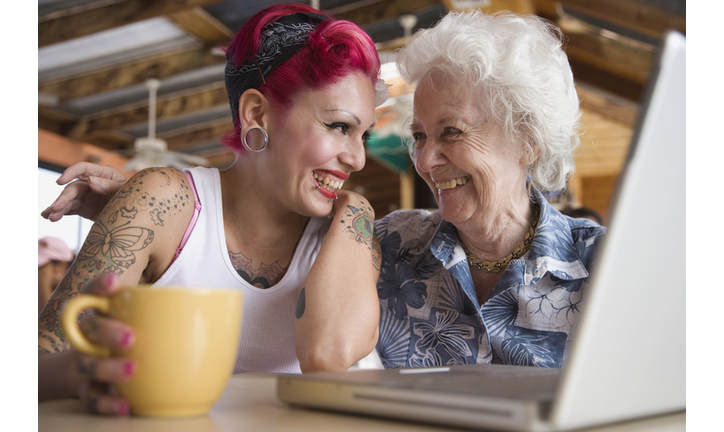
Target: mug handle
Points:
(70, 323)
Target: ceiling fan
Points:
(150, 151)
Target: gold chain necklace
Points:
(502, 263)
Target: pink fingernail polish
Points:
(123, 408)
(110, 278)
(128, 369)
(127, 339)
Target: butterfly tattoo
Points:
(117, 245)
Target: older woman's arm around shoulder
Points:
(338, 310)
(130, 238)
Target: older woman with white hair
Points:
(495, 274)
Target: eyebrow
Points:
(441, 122)
(359, 122)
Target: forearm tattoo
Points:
(359, 223)
(105, 250)
(111, 245)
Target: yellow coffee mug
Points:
(185, 346)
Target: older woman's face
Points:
(463, 155)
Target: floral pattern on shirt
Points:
(429, 313)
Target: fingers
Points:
(94, 183)
(104, 285)
(105, 331)
(102, 330)
(107, 187)
(105, 369)
(83, 170)
(99, 399)
(70, 198)
(78, 170)
(97, 373)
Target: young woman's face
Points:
(320, 141)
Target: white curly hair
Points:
(518, 65)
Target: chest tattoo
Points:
(260, 276)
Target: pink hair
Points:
(335, 49)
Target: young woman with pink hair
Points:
(275, 225)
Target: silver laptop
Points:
(629, 357)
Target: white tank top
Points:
(267, 334)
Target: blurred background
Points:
(96, 103)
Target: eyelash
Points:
(446, 131)
(450, 131)
(343, 127)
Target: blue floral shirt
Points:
(430, 315)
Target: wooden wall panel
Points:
(604, 146)
(380, 185)
(597, 192)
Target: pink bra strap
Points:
(194, 217)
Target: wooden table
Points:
(249, 403)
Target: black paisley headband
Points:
(280, 40)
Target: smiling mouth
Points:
(449, 184)
(325, 182)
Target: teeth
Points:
(449, 184)
(328, 184)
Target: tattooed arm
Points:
(136, 234)
(338, 309)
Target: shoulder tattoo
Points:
(127, 205)
(359, 223)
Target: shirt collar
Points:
(552, 250)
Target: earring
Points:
(246, 145)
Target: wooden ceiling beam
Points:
(643, 17)
(54, 120)
(621, 57)
(589, 75)
(102, 18)
(122, 76)
(492, 6)
(608, 105)
(168, 107)
(366, 12)
(202, 134)
(58, 150)
(202, 25)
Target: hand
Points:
(88, 194)
(95, 375)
